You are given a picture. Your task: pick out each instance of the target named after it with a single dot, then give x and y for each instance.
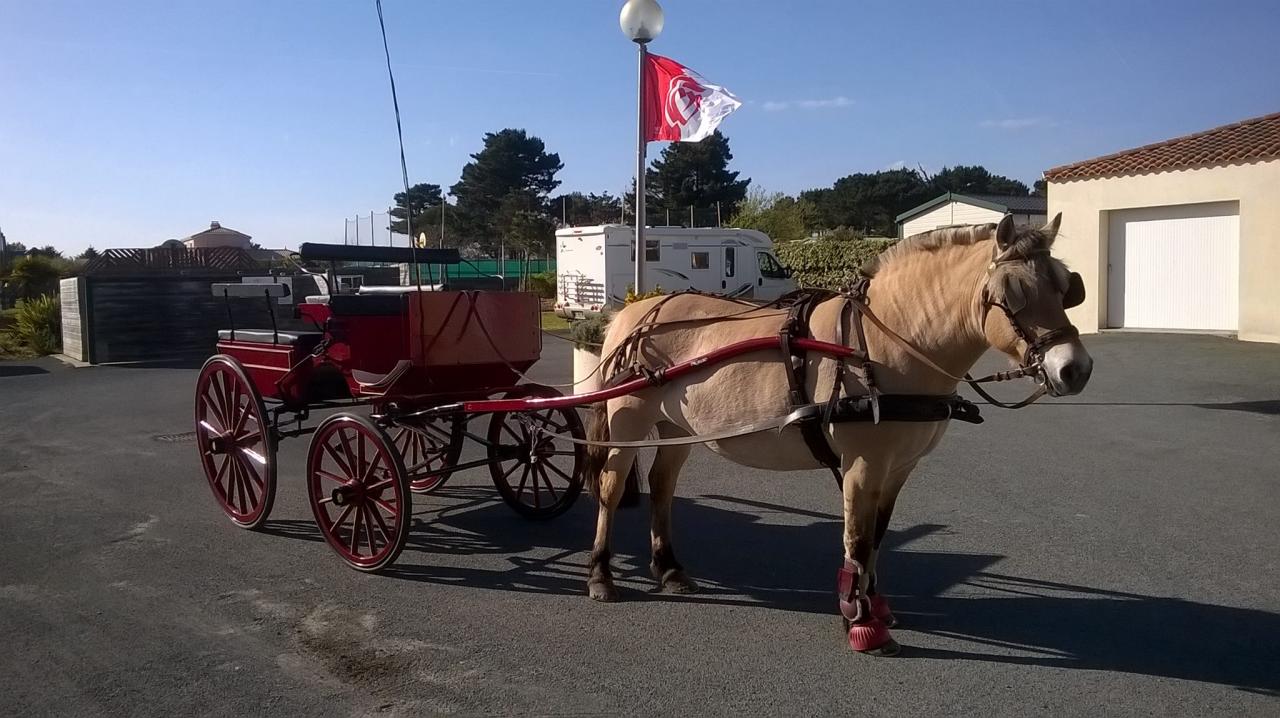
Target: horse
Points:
(943, 297)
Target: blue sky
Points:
(123, 124)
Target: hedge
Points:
(828, 264)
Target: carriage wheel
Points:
(237, 448)
(429, 449)
(359, 491)
(538, 475)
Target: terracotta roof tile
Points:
(1247, 141)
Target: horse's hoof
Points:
(872, 638)
(603, 592)
(880, 609)
(678, 582)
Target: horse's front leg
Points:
(863, 484)
(884, 512)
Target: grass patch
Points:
(552, 323)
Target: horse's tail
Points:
(597, 430)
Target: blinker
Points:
(1074, 295)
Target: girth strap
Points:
(797, 325)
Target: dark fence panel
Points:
(144, 318)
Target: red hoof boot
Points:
(880, 609)
(872, 637)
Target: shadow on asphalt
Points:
(7, 369)
(1270, 407)
(791, 567)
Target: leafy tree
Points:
(781, 217)
(525, 227)
(46, 251)
(421, 206)
(976, 179)
(1041, 189)
(89, 254)
(870, 202)
(576, 209)
(512, 161)
(694, 174)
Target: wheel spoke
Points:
(342, 464)
(523, 479)
(368, 529)
(382, 524)
(351, 466)
(547, 480)
(386, 506)
(331, 477)
(512, 469)
(249, 479)
(355, 533)
(380, 485)
(507, 428)
(333, 527)
(212, 404)
(557, 469)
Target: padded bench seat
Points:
(266, 336)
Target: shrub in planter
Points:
(38, 324)
(588, 336)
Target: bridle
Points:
(1035, 344)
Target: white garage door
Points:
(1175, 267)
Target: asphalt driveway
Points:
(1113, 553)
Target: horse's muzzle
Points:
(1067, 367)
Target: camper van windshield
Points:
(769, 267)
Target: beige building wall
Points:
(1082, 238)
(947, 214)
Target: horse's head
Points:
(1024, 305)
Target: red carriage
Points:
(412, 356)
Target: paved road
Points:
(1113, 553)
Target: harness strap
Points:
(798, 324)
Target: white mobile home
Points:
(595, 266)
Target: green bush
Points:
(829, 264)
(38, 324)
(36, 275)
(543, 284)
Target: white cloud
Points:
(1018, 123)
(899, 165)
(822, 104)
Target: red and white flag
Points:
(679, 106)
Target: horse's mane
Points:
(1028, 241)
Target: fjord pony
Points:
(952, 293)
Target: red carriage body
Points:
(405, 352)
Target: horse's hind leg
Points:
(663, 476)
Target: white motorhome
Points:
(595, 266)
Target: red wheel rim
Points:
(429, 450)
(234, 442)
(537, 474)
(358, 491)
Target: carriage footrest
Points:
(376, 383)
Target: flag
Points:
(679, 106)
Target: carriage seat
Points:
(266, 336)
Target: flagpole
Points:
(640, 147)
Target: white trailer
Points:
(595, 266)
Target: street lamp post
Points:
(641, 21)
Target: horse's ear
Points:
(1050, 230)
(1005, 233)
